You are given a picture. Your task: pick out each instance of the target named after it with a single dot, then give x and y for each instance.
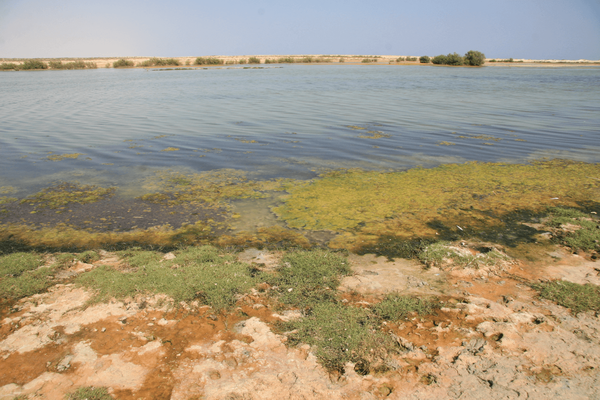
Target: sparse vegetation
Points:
(437, 254)
(411, 58)
(89, 393)
(579, 298)
(159, 62)
(399, 59)
(72, 65)
(208, 61)
(582, 231)
(122, 63)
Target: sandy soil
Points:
(499, 342)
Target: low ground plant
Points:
(435, 255)
(89, 393)
(122, 63)
(201, 273)
(585, 230)
(341, 334)
(395, 307)
(306, 278)
(22, 274)
(208, 61)
(579, 298)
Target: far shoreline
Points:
(229, 61)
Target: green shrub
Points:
(579, 298)
(368, 60)
(270, 61)
(89, 393)
(493, 60)
(424, 59)
(439, 60)
(306, 278)
(254, 60)
(342, 60)
(208, 61)
(307, 59)
(411, 58)
(70, 65)
(242, 61)
(159, 62)
(454, 59)
(286, 60)
(475, 58)
(399, 59)
(33, 64)
(122, 63)
(9, 66)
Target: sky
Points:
(538, 29)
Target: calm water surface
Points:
(291, 120)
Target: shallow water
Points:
(293, 121)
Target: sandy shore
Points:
(107, 62)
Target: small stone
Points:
(103, 330)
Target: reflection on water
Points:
(124, 125)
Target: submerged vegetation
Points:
(61, 194)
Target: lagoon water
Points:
(288, 120)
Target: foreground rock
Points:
(499, 341)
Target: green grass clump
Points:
(254, 60)
(306, 278)
(196, 273)
(579, 298)
(60, 195)
(586, 237)
(64, 260)
(16, 263)
(395, 307)
(341, 334)
(122, 63)
(89, 393)
(21, 275)
(208, 61)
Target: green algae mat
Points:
(363, 211)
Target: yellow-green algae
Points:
(63, 193)
(422, 202)
(212, 187)
(60, 157)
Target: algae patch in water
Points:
(453, 199)
(60, 157)
(213, 187)
(170, 149)
(64, 193)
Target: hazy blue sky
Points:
(568, 29)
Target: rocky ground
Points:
(498, 341)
